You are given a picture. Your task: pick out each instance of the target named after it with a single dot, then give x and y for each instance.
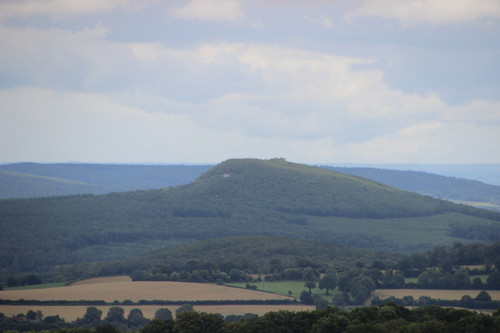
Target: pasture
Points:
(282, 288)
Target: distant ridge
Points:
(467, 191)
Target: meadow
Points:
(283, 287)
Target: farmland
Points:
(122, 288)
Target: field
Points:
(282, 288)
(122, 288)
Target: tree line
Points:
(387, 317)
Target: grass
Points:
(282, 288)
(37, 286)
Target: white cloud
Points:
(210, 10)
(410, 12)
(260, 101)
(62, 8)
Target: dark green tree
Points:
(462, 279)
(184, 308)
(115, 314)
(136, 318)
(158, 326)
(483, 296)
(92, 315)
(310, 285)
(195, 322)
(163, 314)
(306, 298)
(328, 282)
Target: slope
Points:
(235, 198)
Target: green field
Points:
(282, 288)
(37, 286)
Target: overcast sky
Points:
(202, 81)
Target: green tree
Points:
(483, 296)
(184, 308)
(310, 285)
(31, 315)
(115, 314)
(462, 278)
(493, 280)
(158, 326)
(320, 302)
(477, 283)
(163, 314)
(306, 298)
(195, 322)
(338, 300)
(136, 318)
(344, 282)
(328, 282)
(92, 315)
(106, 328)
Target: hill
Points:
(28, 180)
(472, 192)
(235, 198)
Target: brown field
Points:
(434, 293)
(70, 313)
(122, 288)
(112, 289)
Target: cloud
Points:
(140, 102)
(210, 10)
(411, 12)
(62, 8)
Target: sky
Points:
(203, 81)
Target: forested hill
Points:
(235, 198)
(449, 188)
